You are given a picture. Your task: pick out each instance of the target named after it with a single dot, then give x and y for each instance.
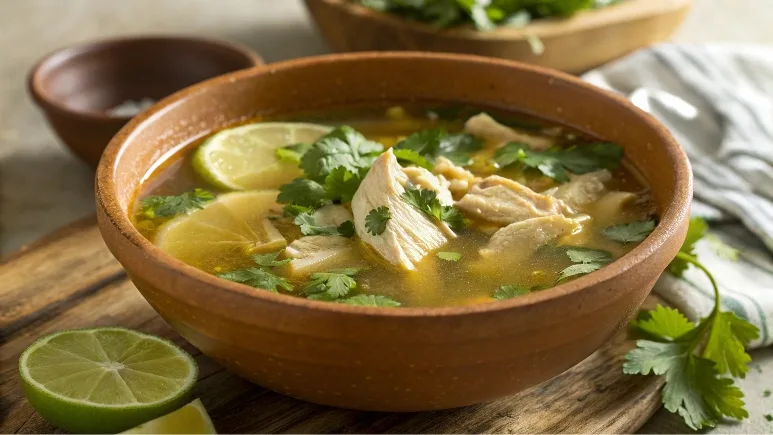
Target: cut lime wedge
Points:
(244, 158)
(224, 233)
(191, 418)
(105, 380)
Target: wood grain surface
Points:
(70, 280)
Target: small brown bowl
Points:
(402, 359)
(574, 44)
(77, 86)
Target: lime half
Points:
(224, 233)
(244, 158)
(191, 418)
(105, 380)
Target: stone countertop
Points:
(43, 187)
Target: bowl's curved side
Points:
(391, 359)
(610, 32)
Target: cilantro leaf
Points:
(695, 388)
(294, 210)
(258, 278)
(292, 153)
(370, 301)
(411, 156)
(309, 226)
(587, 255)
(695, 232)
(346, 229)
(426, 201)
(510, 291)
(343, 147)
(727, 341)
(166, 206)
(630, 232)
(330, 286)
(664, 323)
(341, 184)
(376, 220)
(587, 260)
(449, 256)
(302, 192)
(438, 142)
(722, 249)
(556, 162)
(269, 260)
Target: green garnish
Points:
(431, 144)
(343, 147)
(260, 277)
(294, 210)
(630, 232)
(292, 153)
(341, 184)
(376, 220)
(302, 192)
(483, 15)
(557, 162)
(587, 260)
(426, 201)
(449, 256)
(411, 156)
(694, 358)
(270, 259)
(370, 301)
(766, 393)
(309, 226)
(330, 286)
(165, 206)
(722, 249)
(768, 417)
(510, 291)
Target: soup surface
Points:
(407, 206)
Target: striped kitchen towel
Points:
(717, 100)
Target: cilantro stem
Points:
(709, 321)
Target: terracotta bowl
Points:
(406, 359)
(574, 45)
(76, 86)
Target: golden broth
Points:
(436, 282)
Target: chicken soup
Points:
(397, 206)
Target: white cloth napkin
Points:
(717, 100)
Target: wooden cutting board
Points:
(70, 280)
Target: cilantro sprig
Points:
(260, 277)
(630, 232)
(510, 291)
(376, 220)
(343, 147)
(586, 261)
(695, 359)
(449, 256)
(426, 201)
(337, 285)
(309, 226)
(166, 206)
(558, 162)
(423, 147)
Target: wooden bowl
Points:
(76, 86)
(574, 45)
(406, 359)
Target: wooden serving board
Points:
(70, 280)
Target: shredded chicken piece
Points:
(312, 254)
(521, 239)
(583, 189)
(409, 235)
(485, 126)
(504, 201)
(459, 179)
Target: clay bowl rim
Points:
(543, 28)
(675, 214)
(60, 56)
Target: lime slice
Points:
(243, 158)
(191, 418)
(224, 233)
(105, 380)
